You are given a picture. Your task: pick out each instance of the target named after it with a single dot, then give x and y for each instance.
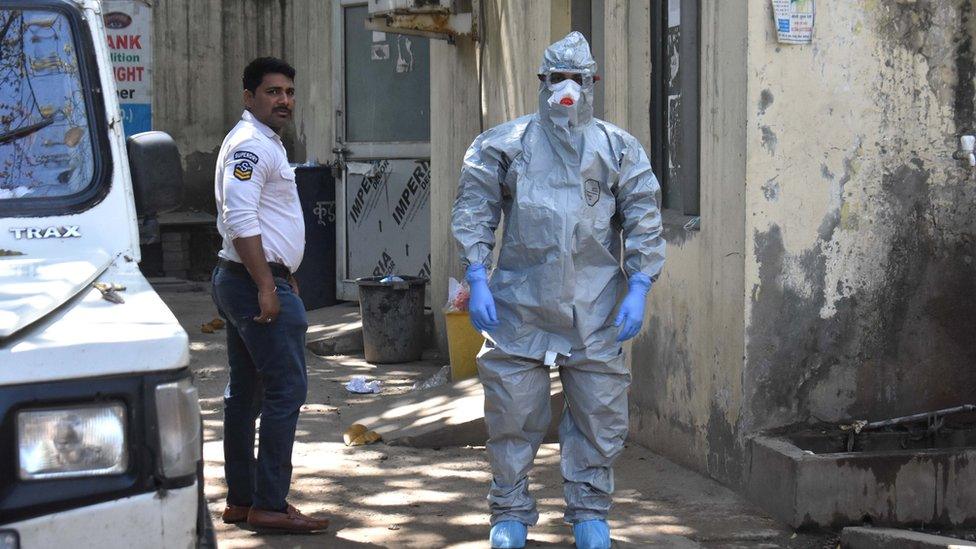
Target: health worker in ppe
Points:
(581, 247)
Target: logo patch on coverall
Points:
(592, 191)
(243, 170)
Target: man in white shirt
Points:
(260, 220)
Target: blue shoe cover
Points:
(592, 534)
(508, 534)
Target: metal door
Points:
(382, 91)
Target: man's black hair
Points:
(255, 70)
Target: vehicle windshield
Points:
(45, 142)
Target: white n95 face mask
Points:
(566, 93)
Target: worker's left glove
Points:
(481, 305)
(631, 314)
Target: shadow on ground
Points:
(388, 496)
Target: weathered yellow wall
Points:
(860, 278)
(687, 362)
(834, 276)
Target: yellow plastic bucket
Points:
(463, 343)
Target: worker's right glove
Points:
(631, 314)
(481, 306)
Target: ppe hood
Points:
(571, 54)
(33, 287)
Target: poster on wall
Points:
(128, 26)
(388, 218)
(794, 20)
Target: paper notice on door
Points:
(794, 20)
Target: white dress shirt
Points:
(256, 194)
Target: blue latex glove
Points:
(631, 314)
(481, 307)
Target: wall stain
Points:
(725, 447)
(834, 218)
(770, 190)
(769, 139)
(765, 100)
(903, 337)
(965, 95)
(825, 172)
(661, 394)
(907, 23)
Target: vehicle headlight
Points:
(178, 417)
(72, 442)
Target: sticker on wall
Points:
(794, 20)
(379, 52)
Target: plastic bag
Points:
(457, 296)
(359, 385)
(440, 378)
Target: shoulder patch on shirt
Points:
(243, 170)
(246, 155)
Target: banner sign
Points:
(128, 26)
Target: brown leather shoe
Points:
(234, 514)
(290, 522)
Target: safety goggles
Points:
(553, 78)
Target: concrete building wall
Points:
(833, 277)
(627, 68)
(860, 277)
(687, 362)
(201, 48)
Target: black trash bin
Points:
(393, 318)
(317, 273)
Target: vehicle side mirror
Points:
(157, 180)
(157, 173)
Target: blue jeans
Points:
(267, 377)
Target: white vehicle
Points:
(100, 438)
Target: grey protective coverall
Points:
(567, 191)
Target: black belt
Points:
(277, 269)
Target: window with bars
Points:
(675, 144)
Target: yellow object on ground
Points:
(358, 435)
(212, 326)
(464, 343)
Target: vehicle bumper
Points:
(146, 521)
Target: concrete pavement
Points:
(397, 496)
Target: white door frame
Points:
(354, 152)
